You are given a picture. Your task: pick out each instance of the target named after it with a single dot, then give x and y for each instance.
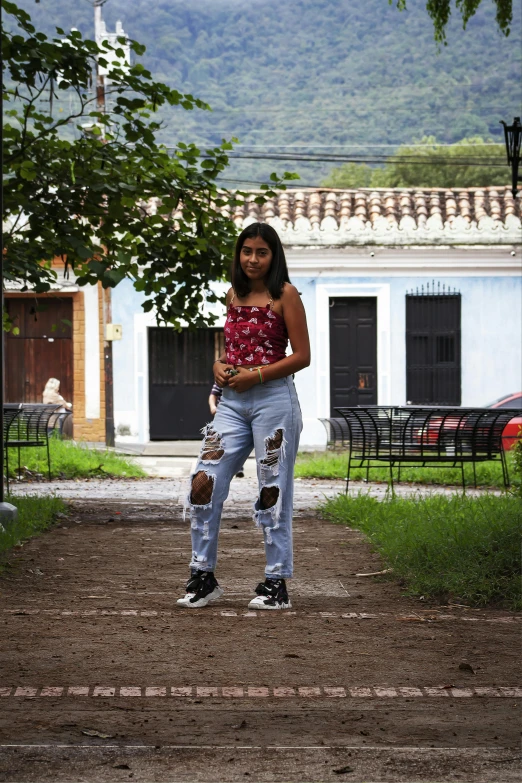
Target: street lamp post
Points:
(513, 137)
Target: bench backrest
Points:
(31, 423)
(411, 431)
(337, 431)
(11, 411)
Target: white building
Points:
(411, 295)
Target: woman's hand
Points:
(220, 373)
(244, 379)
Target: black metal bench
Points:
(58, 423)
(27, 425)
(337, 433)
(409, 436)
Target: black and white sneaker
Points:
(201, 589)
(271, 594)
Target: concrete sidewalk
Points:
(158, 466)
(170, 459)
(170, 483)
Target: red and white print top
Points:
(254, 335)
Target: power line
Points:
(309, 111)
(282, 131)
(367, 146)
(411, 160)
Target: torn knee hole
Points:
(273, 450)
(275, 442)
(202, 488)
(268, 497)
(212, 446)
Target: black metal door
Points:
(180, 379)
(433, 367)
(353, 352)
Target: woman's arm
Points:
(220, 365)
(295, 320)
(213, 403)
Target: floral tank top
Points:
(254, 335)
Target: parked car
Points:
(513, 429)
(465, 431)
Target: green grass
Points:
(70, 460)
(333, 465)
(35, 514)
(455, 547)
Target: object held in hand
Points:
(231, 371)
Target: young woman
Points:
(259, 408)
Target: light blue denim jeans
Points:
(267, 417)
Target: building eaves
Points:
(417, 216)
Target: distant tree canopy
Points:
(440, 12)
(470, 163)
(315, 83)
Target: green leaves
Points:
(27, 170)
(440, 12)
(106, 197)
(469, 163)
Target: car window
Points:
(516, 402)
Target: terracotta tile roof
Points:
(404, 216)
(61, 283)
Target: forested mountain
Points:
(332, 76)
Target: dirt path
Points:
(103, 678)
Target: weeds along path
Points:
(104, 678)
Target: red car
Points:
(512, 430)
(443, 431)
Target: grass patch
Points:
(35, 514)
(334, 464)
(454, 547)
(71, 460)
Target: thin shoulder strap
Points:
(271, 303)
(233, 297)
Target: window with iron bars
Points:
(433, 357)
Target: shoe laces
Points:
(269, 587)
(196, 579)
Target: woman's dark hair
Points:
(278, 272)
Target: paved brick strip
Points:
(428, 618)
(258, 692)
(356, 748)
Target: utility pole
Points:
(8, 512)
(100, 77)
(99, 34)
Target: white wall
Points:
(92, 351)
(488, 278)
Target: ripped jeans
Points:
(268, 418)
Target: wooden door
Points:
(353, 352)
(43, 348)
(180, 380)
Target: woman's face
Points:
(255, 258)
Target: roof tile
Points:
(396, 214)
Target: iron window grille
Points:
(433, 346)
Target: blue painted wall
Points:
(491, 343)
